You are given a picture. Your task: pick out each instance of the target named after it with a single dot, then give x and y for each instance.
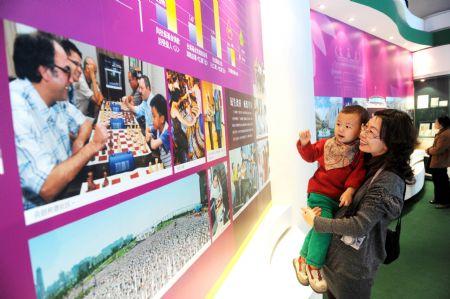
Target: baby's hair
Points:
(356, 109)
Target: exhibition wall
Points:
(138, 220)
(354, 67)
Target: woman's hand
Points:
(309, 214)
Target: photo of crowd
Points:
(214, 120)
(85, 120)
(244, 175)
(186, 112)
(103, 256)
(219, 205)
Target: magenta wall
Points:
(115, 26)
(352, 63)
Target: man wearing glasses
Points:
(80, 127)
(44, 154)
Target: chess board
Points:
(122, 141)
(105, 115)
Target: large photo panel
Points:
(88, 123)
(136, 249)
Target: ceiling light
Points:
(351, 20)
(373, 29)
(391, 37)
(322, 6)
(422, 80)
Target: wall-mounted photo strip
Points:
(214, 120)
(219, 200)
(86, 127)
(405, 104)
(140, 256)
(186, 112)
(259, 80)
(261, 118)
(244, 176)
(263, 162)
(327, 109)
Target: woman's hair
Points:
(444, 121)
(400, 136)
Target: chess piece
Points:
(150, 167)
(90, 181)
(105, 181)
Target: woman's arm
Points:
(371, 210)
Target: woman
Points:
(440, 160)
(389, 138)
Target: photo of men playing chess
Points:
(80, 127)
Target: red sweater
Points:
(333, 182)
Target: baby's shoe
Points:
(316, 279)
(300, 271)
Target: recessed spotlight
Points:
(322, 6)
(373, 29)
(422, 80)
(351, 20)
(391, 37)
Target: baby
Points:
(340, 173)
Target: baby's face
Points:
(347, 127)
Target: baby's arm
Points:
(309, 152)
(347, 197)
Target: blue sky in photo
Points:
(64, 247)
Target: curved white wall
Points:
(290, 96)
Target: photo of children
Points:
(327, 109)
(244, 174)
(263, 162)
(102, 256)
(219, 205)
(82, 132)
(186, 112)
(214, 120)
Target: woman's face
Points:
(370, 141)
(437, 125)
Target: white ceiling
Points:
(366, 19)
(425, 8)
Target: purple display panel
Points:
(132, 27)
(351, 63)
(143, 30)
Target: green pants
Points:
(315, 246)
